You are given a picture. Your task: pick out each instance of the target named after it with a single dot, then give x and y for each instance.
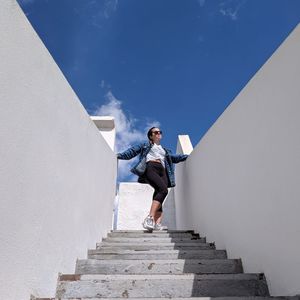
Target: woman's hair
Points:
(150, 133)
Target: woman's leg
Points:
(159, 214)
(158, 217)
(156, 177)
(155, 206)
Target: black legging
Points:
(157, 177)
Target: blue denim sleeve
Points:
(176, 158)
(130, 152)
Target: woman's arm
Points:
(130, 152)
(176, 158)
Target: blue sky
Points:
(176, 64)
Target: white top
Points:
(156, 152)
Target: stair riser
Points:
(157, 267)
(160, 288)
(154, 240)
(157, 232)
(154, 247)
(201, 254)
(152, 235)
(194, 298)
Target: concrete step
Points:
(155, 246)
(156, 254)
(153, 240)
(158, 232)
(177, 266)
(162, 286)
(153, 234)
(194, 298)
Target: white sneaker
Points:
(159, 226)
(148, 223)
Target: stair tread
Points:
(153, 235)
(189, 242)
(157, 254)
(154, 241)
(164, 285)
(151, 251)
(143, 277)
(159, 261)
(175, 266)
(189, 298)
(158, 232)
(164, 246)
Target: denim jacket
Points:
(143, 149)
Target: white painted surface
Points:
(135, 198)
(184, 145)
(241, 182)
(57, 173)
(134, 205)
(106, 126)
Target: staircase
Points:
(161, 264)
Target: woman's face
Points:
(156, 135)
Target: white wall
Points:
(134, 199)
(134, 204)
(106, 126)
(241, 183)
(184, 146)
(57, 173)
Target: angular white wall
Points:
(57, 173)
(134, 201)
(106, 126)
(240, 186)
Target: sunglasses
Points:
(157, 132)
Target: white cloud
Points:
(229, 12)
(127, 133)
(104, 85)
(96, 13)
(230, 8)
(110, 6)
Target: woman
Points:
(156, 167)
